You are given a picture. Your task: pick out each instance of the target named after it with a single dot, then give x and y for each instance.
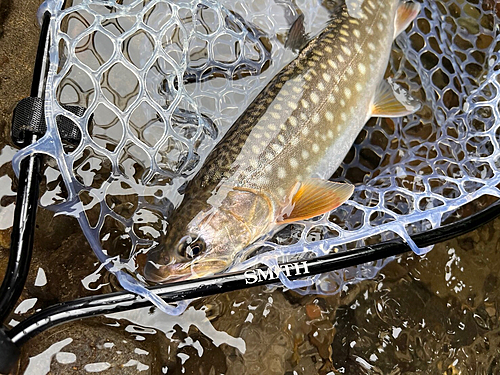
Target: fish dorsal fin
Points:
(391, 100)
(315, 197)
(297, 37)
(405, 14)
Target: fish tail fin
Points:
(405, 14)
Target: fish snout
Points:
(166, 273)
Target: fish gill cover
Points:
(162, 81)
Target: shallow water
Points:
(435, 314)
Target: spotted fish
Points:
(273, 164)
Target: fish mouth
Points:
(175, 272)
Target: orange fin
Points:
(406, 13)
(315, 197)
(391, 100)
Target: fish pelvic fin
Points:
(391, 100)
(315, 197)
(405, 14)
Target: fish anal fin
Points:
(391, 100)
(406, 13)
(315, 197)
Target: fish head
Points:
(208, 243)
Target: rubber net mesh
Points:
(162, 81)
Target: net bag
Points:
(162, 81)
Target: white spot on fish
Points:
(281, 138)
(321, 87)
(293, 163)
(277, 107)
(328, 49)
(293, 121)
(362, 68)
(342, 102)
(315, 148)
(333, 64)
(331, 98)
(343, 32)
(254, 163)
(305, 154)
(340, 58)
(356, 33)
(350, 71)
(371, 46)
(281, 173)
(269, 156)
(329, 134)
(304, 103)
(347, 92)
(275, 115)
(292, 105)
(314, 97)
(294, 141)
(327, 77)
(343, 116)
(346, 50)
(305, 131)
(359, 87)
(315, 118)
(256, 149)
(329, 116)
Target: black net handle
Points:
(125, 301)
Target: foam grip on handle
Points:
(9, 354)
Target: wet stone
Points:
(93, 347)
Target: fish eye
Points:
(190, 247)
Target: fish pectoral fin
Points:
(297, 37)
(315, 197)
(391, 100)
(406, 13)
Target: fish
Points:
(273, 164)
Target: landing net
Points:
(162, 81)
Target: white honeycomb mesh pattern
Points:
(163, 80)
